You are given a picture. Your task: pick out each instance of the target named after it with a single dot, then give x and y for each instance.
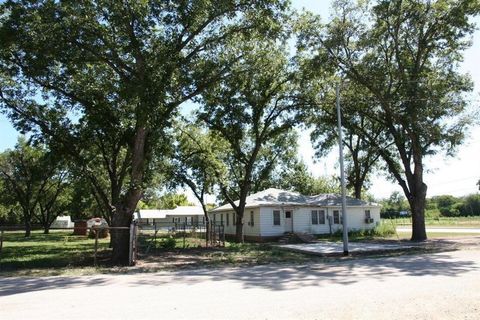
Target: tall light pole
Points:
(342, 173)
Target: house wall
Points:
(302, 220)
(248, 229)
(267, 228)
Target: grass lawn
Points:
(434, 235)
(47, 252)
(463, 222)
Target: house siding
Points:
(248, 230)
(301, 218)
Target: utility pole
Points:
(342, 174)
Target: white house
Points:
(181, 214)
(272, 212)
(62, 222)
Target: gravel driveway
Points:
(436, 286)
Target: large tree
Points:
(118, 69)
(405, 54)
(253, 110)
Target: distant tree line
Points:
(436, 206)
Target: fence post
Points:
(96, 247)
(1, 242)
(155, 235)
(184, 234)
(131, 245)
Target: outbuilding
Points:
(271, 213)
(181, 214)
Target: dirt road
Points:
(435, 286)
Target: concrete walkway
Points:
(333, 247)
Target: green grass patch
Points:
(464, 222)
(433, 235)
(383, 230)
(59, 249)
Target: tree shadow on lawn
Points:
(289, 277)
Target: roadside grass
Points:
(435, 235)
(54, 251)
(464, 222)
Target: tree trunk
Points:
(28, 229)
(417, 205)
(120, 239)
(239, 228)
(357, 188)
(46, 230)
(207, 223)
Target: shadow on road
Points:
(11, 286)
(274, 277)
(279, 277)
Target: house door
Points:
(288, 221)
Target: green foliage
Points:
(383, 229)
(298, 178)
(392, 206)
(34, 181)
(197, 160)
(165, 201)
(168, 243)
(470, 205)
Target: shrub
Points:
(168, 243)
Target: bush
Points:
(168, 243)
(383, 229)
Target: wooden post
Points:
(155, 235)
(96, 247)
(1, 242)
(131, 260)
(184, 234)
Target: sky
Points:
(445, 175)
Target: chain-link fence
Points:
(157, 237)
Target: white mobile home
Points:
(181, 214)
(272, 212)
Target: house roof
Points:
(163, 213)
(278, 197)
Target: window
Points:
(288, 214)
(321, 216)
(314, 217)
(228, 219)
(336, 217)
(234, 219)
(276, 217)
(221, 219)
(367, 214)
(251, 219)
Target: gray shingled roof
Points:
(277, 197)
